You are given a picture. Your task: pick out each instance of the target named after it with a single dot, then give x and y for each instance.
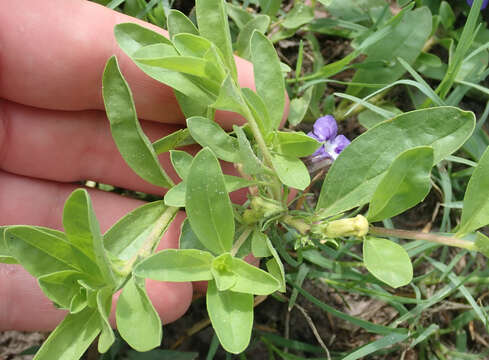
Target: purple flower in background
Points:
(324, 131)
(484, 3)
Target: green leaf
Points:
(5, 256)
(230, 98)
(475, 212)
(213, 25)
(208, 133)
(190, 107)
(132, 143)
(176, 265)
(238, 14)
(177, 138)
(251, 164)
(125, 238)
(402, 42)
(259, 246)
(192, 45)
(268, 76)
(387, 261)
(231, 315)
(104, 304)
(299, 15)
(447, 17)
(368, 118)
(179, 23)
(137, 320)
(482, 244)
(188, 239)
(356, 173)
(71, 337)
(208, 205)
(222, 272)
(188, 65)
(181, 161)
(41, 252)
(275, 266)
(132, 37)
(296, 144)
(176, 195)
(405, 184)
(83, 231)
(291, 171)
(299, 106)
(258, 110)
(79, 301)
(60, 287)
(259, 23)
(250, 279)
(270, 7)
(376, 345)
(351, 10)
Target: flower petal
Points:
(320, 152)
(340, 142)
(484, 3)
(325, 128)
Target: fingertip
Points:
(170, 299)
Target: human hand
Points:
(53, 132)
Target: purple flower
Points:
(324, 131)
(484, 3)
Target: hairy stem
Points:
(276, 187)
(152, 240)
(416, 235)
(242, 238)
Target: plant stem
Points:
(267, 157)
(415, 235)
(152, 240)
(242, 238)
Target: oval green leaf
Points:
(387, 261)
(208, 205)
(291, 171)
(176, 265)
(252, 280)
(83, 231)
(71, 337)
(296, 144)
(134, 146)
(137, 320)
(41, 252)
(259, 23)
(268, 76)
(356, 173)
(212, 20)
(405, 184)
(178, 23)
(475, 212)
(126, 237)
(208, 133)
(231, 315)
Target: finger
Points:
(54, 52)
(68, 146)
(33, 202)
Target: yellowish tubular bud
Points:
(357, 226)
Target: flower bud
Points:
(357, 226)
